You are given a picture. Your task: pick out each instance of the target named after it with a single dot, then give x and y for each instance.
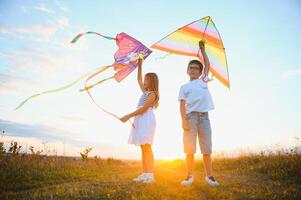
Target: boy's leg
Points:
(208, 168)
(207, 164)
(204, 135)
(189, 140)
(190, 164)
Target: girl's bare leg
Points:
(149, 158)
(144, 164)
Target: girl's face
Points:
(194, 71)
(146, 82)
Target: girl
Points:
(145, 123)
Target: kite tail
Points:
(87, 88)
(100, 70)
(91, 32)
(52, 91)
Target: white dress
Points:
(145, 125)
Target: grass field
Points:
(276, 176)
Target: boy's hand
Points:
(185, 125)
(124, 118)
(202, 44)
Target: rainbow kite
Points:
(126, 61)
(185, 41)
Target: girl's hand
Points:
(124, 118)
(140, 61)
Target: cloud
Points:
(61, 7)
(45, 8)
(4, 87)
(62, 21)
(35, 32)
(64, 9)
(24, 9)
(291, 73)
(28, 68)
(4, 78)
(73, 119)
(44, 30)
(37, 135)
(38, 131)
(15, 84)
(31, 58)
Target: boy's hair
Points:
(154, 86)
(197, 62)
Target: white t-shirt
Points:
(197, 96)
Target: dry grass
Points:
(272, 176)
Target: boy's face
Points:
(194, 71)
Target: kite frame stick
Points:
(225, 54)
(180, 29)
(203, 35)
(206, 75)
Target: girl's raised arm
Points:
(139, 75)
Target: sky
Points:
(261, 110)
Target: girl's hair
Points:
(154, 86)
(197, 62)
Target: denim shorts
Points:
(199, 127)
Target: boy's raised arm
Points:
(206, 60)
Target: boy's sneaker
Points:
(148, 178)
(188, 181)
(139, 178)
(211, 181)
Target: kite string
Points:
(87, 88)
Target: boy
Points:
(195, 102)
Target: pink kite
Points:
(126, 60)
(126, 57)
